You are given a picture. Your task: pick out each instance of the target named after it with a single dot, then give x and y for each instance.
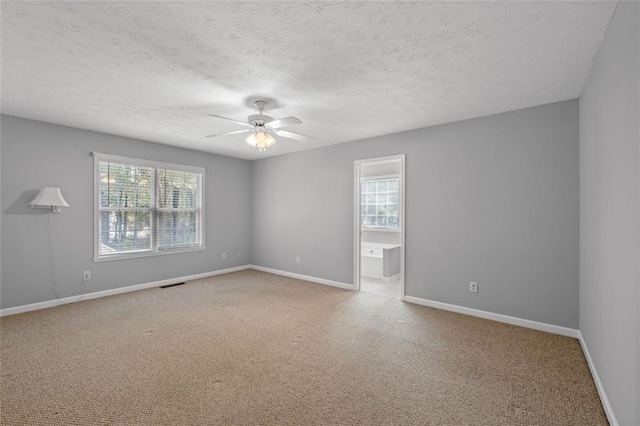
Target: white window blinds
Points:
(145, 207)
(178, 208)
(126, 208)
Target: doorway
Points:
(379, 225)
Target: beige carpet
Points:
(254, 348)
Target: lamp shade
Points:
(261, 140)
(49, 197)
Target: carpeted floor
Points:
(252, 348)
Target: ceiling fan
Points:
(263, 128)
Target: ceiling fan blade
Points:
(296, 136)
(283, 122)
(228, 133)
(242, 123)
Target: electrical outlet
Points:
(297, 259)
(86, 275)
(224, 256)
(239, 254)
(473, 287)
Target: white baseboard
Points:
(550, 328)
(97, 294)
(608, 410)
(304, 277)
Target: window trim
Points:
(377, 229)
(97, 158)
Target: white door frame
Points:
(357, 228)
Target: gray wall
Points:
(610, 214)
(493, 200)
(1, 215)
(36, 154)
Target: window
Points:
(380, 203)
(145, 208)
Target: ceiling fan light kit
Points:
(261, 140)
(263, 127)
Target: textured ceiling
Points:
(348, 70)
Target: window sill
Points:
(146, 254)
(379, 229)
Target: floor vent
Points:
(171, 285)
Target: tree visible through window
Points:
(177, 208)
(147, 207)
(380, 201)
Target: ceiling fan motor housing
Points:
(259, 119)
